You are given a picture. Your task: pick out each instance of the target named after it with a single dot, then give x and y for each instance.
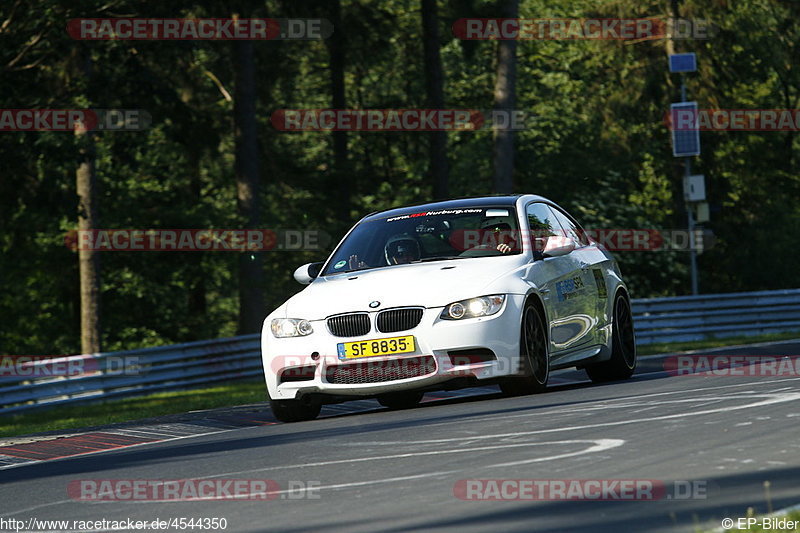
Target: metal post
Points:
(683, 87)
(690, 223)
(690, 217)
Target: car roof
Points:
(476, 201)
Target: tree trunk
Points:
(88, 260)
(341, 176)
(505, 100)
(434, 84)
(251, 291)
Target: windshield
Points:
(428, 236)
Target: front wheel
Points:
(623, 346)
(533, 354)
(294, 410)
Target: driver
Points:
(402, 249)
(501, 235)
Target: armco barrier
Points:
(694, 318)
(136, 372)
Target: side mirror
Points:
(306, 273)
(557, 246)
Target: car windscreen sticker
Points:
(497, 213)
(340, 264)
(436, 213)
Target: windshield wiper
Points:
(440, 258)
(423, 260)
(351, 270)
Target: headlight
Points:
(291, 327)
(474, 307)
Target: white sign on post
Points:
(694, 188)
(701, 213)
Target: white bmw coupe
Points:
(447, 295)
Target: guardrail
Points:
(82, 378)
(694, 318)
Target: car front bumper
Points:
(314, 358)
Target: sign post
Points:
(686, 143)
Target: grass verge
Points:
(124, 410)
(670, 347)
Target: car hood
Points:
(434, 284)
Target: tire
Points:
(623, 346)
(400, 400)
(294, 410)
(534, 354)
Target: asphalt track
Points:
(380, 470)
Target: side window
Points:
(571, 228)
(542, 224)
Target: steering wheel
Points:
(481, 250)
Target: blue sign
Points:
(683, 62)
(685, 129)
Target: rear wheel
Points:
(295, 410)
(623, 346)
(533, 354)
(400, 400)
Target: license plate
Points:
(370, 348)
